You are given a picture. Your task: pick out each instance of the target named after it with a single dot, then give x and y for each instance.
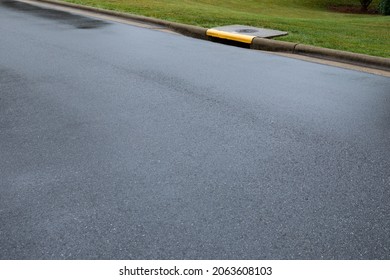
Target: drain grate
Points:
(247, 30)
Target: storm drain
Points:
(243, 33)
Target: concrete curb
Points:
(257, 43)
(185, 29)
(324, 53)
(272, 45)
(343, 56)
(189, 30)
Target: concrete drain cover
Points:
(250, 30)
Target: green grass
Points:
(307, 21)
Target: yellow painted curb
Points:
(230, 36)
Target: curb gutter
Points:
(324, 53)
(256, 43)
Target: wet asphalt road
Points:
(118, 142)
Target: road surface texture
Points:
(120, 142)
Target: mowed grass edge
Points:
(307, 21)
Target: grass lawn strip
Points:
(307, 21)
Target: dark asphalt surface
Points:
(118, 142)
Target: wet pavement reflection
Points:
(77, 21)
